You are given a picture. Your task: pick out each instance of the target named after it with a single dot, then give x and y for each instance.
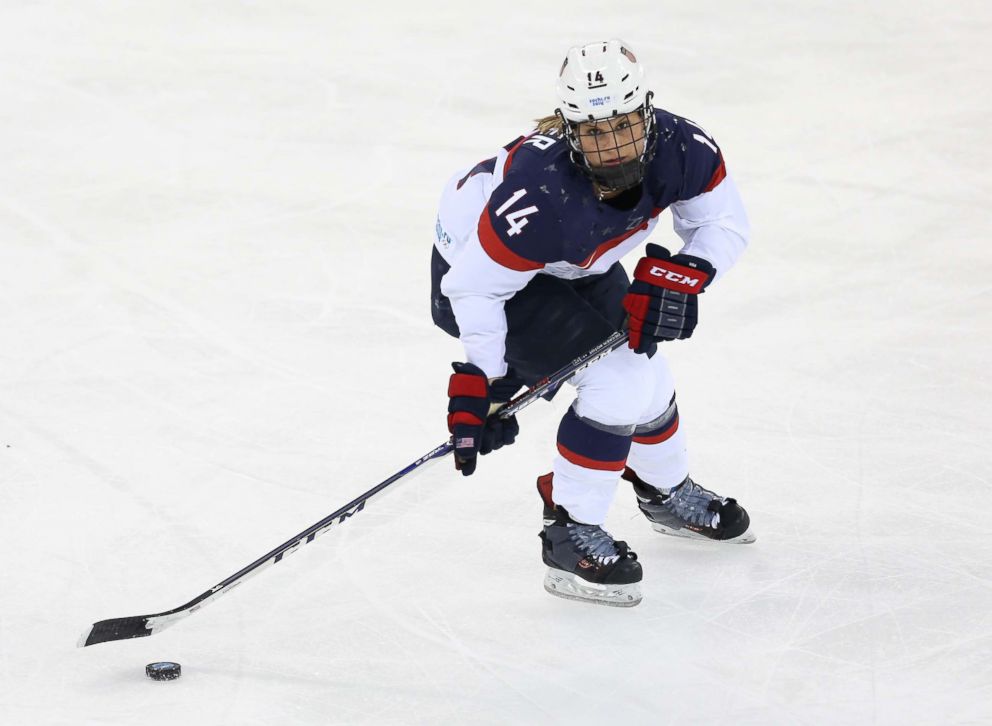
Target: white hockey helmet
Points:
(600, 80)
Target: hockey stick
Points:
(138, 626)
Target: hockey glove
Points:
(471, 400)
(662, 300)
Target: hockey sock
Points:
(590, 458)
(658, 452)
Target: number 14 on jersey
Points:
(518, 218)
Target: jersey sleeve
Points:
(519, 228)
(499, 259)
(709, 216)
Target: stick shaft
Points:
(138, 626)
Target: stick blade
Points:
(116, 629)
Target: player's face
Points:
(612, 141)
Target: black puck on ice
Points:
(163, 671)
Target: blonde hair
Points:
(550, 125)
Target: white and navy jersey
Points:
(529, 210)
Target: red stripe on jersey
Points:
(718, 176)
(498, 251)
(513, 150)
(587, 463)
(663, 435)
(611, 243)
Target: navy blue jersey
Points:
(530, 210)
(544, 211)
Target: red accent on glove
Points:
(671, 276)
(637, 307)
(462, 417)
(466, 384)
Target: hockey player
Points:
(526, 272)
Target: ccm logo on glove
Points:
(692, 282)
(662, 300)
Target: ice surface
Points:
(215, 221)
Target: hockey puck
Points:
(163, 671)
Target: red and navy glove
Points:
(470, 397)
(662, 300)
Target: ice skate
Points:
(586, 563)
(690, 511)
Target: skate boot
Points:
(690, 511)
(584, 561)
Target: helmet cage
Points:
(612, 178)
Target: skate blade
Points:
(746, 537)
(571, 587)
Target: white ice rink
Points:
(215, 224)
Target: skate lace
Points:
(692, 503)
(594, 542)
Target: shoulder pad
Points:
(702, 161)
(535, 151)
(519, 226)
